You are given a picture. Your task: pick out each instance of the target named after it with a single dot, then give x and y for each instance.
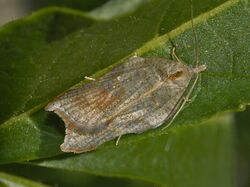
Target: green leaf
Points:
(50, 51)
(183, 156)
(7, 180)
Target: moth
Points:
(135, 96)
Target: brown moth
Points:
(136, 96)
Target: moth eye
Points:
(175, 75)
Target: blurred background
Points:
(14, 9)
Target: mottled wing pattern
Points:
(85, 108)
(135, 96)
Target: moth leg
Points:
(185, 100)
(177, 112)
(89, 78)
(174, 54)
(117, 141)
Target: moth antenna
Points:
(195, 40)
